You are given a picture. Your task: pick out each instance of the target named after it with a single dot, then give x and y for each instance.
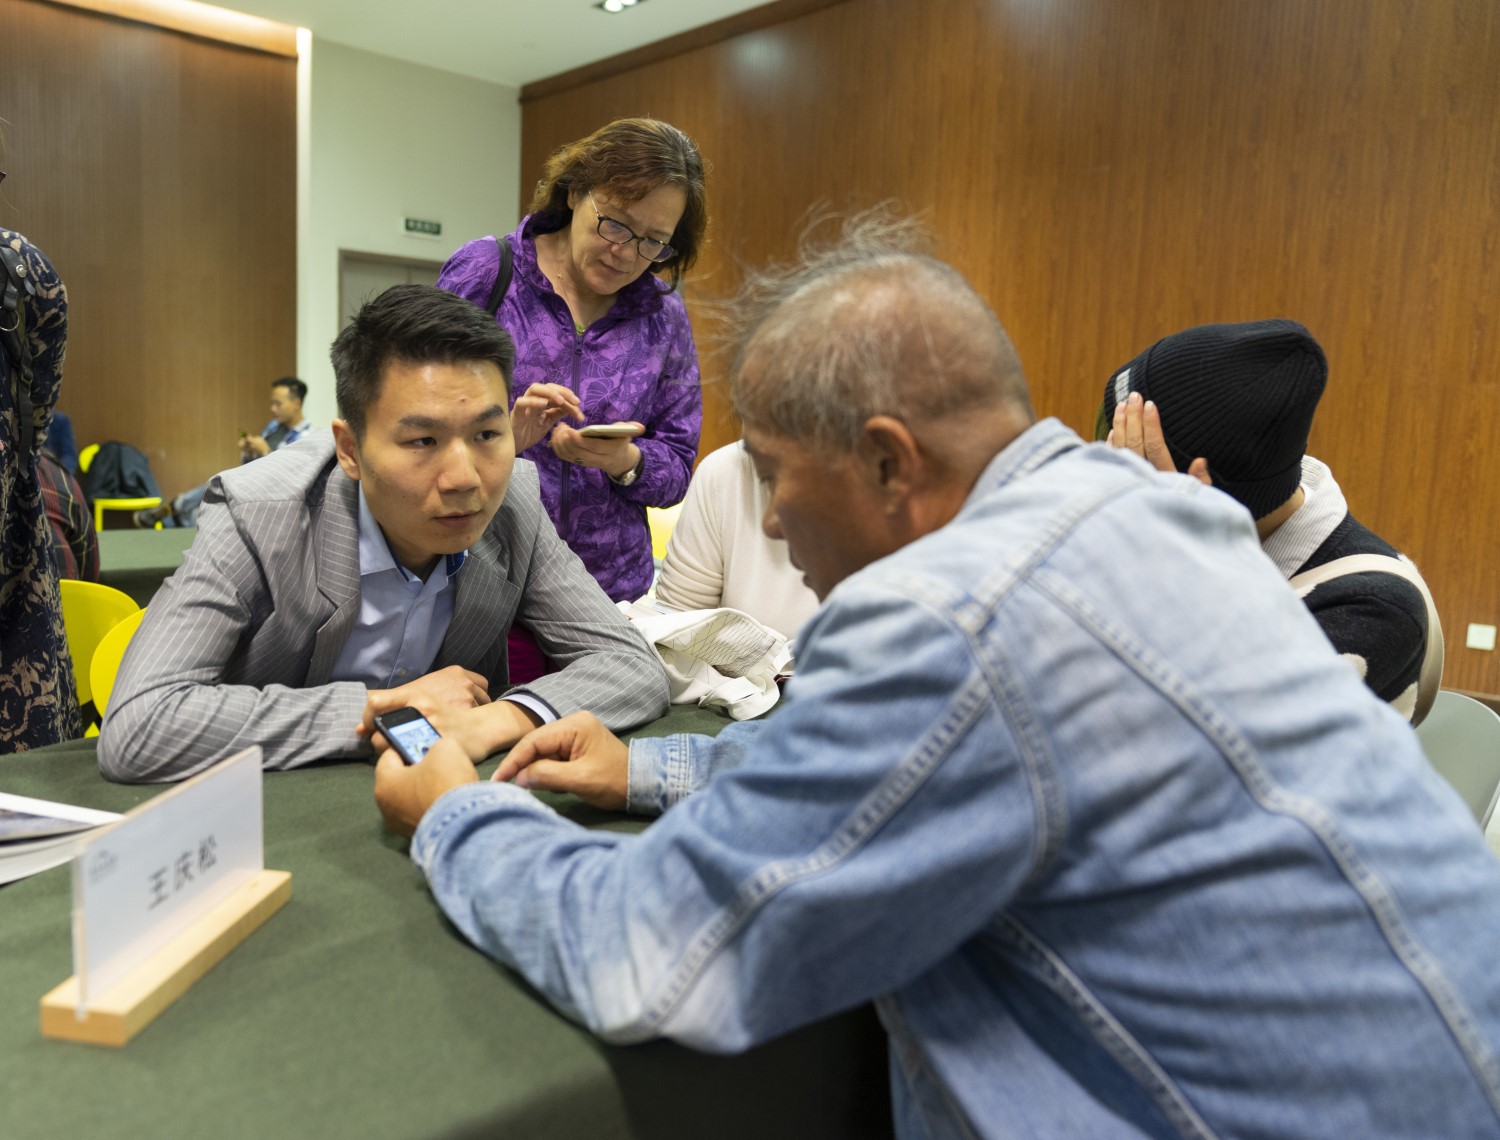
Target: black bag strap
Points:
(13, 293)
(502, 279)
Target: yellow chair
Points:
(86, 457)
(662, 521)
(89, 612)
(107, 657)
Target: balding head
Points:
(874, 386)
(875, 326)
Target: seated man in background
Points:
(372, 569)
(718, 556)
(287, 426)
(287, 423)
(1103, 873)
(1232, 405)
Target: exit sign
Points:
(421, 227)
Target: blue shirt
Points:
(1075, 789)
(277, 436)
(402, 619)
(293, 434)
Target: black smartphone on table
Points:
(409, 732)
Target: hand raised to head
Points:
(1137, 428)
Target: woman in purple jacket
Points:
(601, 336)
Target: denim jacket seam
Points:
(651, 754)
(873, 812)
(444, 820)
(913, 1061)
(678, 773)
(1104, 1027)
(969, 616)
(636, 779)
(1034, 755)
(991, 593)
(1371, 888)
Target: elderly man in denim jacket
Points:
(1104, 873)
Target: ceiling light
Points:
(613, 6)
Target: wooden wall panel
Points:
(158, 172)
(1109, 171)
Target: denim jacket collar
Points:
(1035, 447)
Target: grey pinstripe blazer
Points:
(237, 646)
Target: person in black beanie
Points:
(1232, 405)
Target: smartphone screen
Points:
(411, 734)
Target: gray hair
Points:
(871, 324)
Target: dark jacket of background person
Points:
(1241, 398)
(38, 700)
(74, 540)
(120, 471)
(62, 442)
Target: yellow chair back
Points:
(90, 611)
(86, 456)
(107, 657)
(662, 521)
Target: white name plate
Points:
(140, 883)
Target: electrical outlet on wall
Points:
(1480, 636)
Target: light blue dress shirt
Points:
(402, 619)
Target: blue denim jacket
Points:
(1076, 790)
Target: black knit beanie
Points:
(1241, 396)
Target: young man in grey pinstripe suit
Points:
(373, 568)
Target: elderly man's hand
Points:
(612, 456)
(1137, 428)
(576, 754)
(431, 695)
(538, 409)
(405, 792)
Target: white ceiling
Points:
(504, 41)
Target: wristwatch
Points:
(632, 475)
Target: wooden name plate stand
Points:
(136, 1000)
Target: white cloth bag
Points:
(718, 659)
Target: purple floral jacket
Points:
(636, 363)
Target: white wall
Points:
(382, 140)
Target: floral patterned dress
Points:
(38, 700)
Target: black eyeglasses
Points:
(618, 233)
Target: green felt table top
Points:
(126, 550)
(137, 561)
(358, 1011)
